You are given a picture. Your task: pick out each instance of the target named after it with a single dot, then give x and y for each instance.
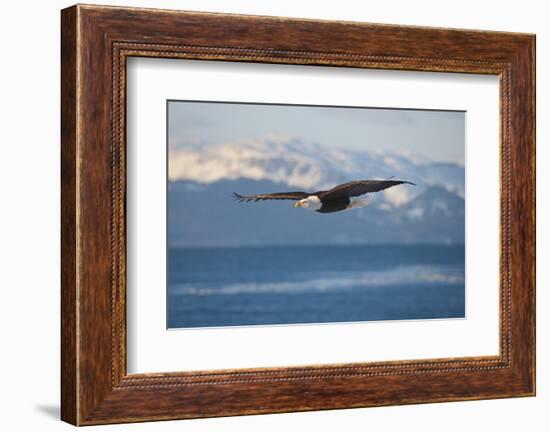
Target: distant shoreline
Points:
(313, 245)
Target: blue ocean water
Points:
(212, 287)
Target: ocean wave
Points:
(405, 275)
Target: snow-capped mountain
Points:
(306, 165)
(201, 211)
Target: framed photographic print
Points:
(264, 214)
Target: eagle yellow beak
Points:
(298, 204)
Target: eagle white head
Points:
(310, 203)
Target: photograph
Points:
(282, 214)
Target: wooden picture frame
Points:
(95, 43)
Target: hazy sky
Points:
(436, 135)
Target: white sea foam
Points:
(404, 275)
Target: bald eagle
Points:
(339, 198)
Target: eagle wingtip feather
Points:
(238, 197)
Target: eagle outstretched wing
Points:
(295, 196)
(358, 188)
